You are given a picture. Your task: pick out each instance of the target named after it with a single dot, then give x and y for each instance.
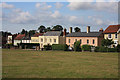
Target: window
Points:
(75, 40)
(115, 35)
(50, 40)
(69, 41)
(109, 35)
(45, 40)
(87, 41)
(80, 41)
(93, 41)
(55, 40)
(41, 40)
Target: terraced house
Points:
(113, 32)
(35, 37)
(52, 37)
(18, 39)
(89, 38)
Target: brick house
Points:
(89, 38)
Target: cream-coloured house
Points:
(52, 37)
(35, 37)
(113, 32)
(18, 39)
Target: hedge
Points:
(86, 47)
(63, 47)
(48, 47)
(105, 49)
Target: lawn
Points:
(58, 64)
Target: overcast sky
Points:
(30, 15)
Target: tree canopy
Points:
(107, 42)
(42, 29)
(76, 29)
(57, 28)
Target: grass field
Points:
(58, 64)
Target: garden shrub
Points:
(105, 49)
(48, 47)
(86, 47)
(77, 46)
(63, 47)
(118, 48)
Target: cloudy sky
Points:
(30, 15)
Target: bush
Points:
(63, 47)
(105, 49)
(112, 49)
(77, 46)
(118, 48)
(86, 47)
(48, 47)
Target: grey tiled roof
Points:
(84, 34)
(53, 33)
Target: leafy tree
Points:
(48, 29)
(77, 46)
(57, 28)
(76, 29)
(42, 29)
(107, 42)
(23, 31)
(32, 32)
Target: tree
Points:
(42, 29)
(76, 29)
(77, 46)
(23, 31)
(57, 28)
(32, 32)
(107, 42)
(48, 29)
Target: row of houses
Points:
(62, 37)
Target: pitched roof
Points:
(19, 36)
(84, 34)
(38, 34)
(53, 33)
(112, 29)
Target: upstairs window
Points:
(75, 40)
(41, 40)
(115, 35)
(69, 40)
(55, 40)
(50, 40)
(109, 35)
(87, 41)
(93, 41)
(80, 41)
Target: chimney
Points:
(88, 29)
(64, 33)
(70, 30)
(101, 30)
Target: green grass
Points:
(58, 64)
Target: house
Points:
(89, 38)
(35, 37)
(113, 32)
(26, 39)
(18, 39)
(52, 37)
(10, 39)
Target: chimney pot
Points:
(88, 29)
(64, 33)
(70, 30)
